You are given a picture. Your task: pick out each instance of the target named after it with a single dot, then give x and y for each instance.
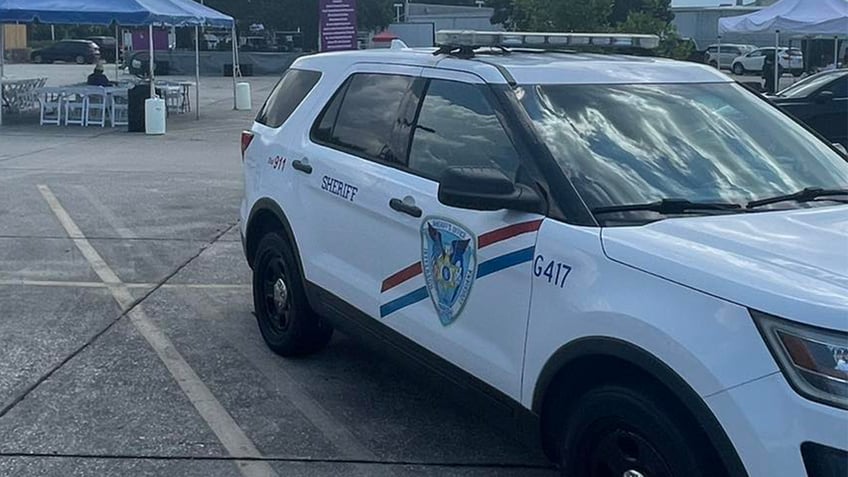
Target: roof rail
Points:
(468, 40)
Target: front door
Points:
(457, 281)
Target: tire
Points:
(80, 60)
(617, 430)
(714, 64)
(38, 59)
(287, 323)
(738, 69)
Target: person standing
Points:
(769, 65)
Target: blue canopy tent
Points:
(150, 13)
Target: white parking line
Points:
(232, 437)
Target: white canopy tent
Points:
(821, 18)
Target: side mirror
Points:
(824, 97)
(841, 148)
(486, 188)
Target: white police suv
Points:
(646, 257)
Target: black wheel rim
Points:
(616, 451)
(276, 294)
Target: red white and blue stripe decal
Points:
(485, 268)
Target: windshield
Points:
(809, 85)
(635, 144)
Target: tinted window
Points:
(813, 84)
(839, 87)
(633, 144)
(287, 96)
(366, 115)
(712, 49)
(457, 126)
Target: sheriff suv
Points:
(644, 256)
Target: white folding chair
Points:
(50, 101)
(76, 105)
(173, 99)
(96, 104)
(119, 106)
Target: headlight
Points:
(814, 360)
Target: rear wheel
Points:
(287, 323)
(738, 69)
(80, 60)
(615, 430)
(38, 59)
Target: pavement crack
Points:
(283, 459)
(21, 395)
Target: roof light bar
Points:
(480, 39)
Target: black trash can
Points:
(135, 107)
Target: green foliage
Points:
(631, 16)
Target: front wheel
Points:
(286, 321)
(38, 59)
(80, 60)
(738, 69)
(615, 430)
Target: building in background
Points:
(701, 25)
(451, 17)
(420, 22)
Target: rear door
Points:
(339, 185)
(457, 281)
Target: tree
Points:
(553, 15)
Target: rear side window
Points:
(287, 96)
(362, 115)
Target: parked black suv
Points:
(107, 47)
(77, 51)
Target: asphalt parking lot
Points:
(127, 340)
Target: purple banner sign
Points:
(338, 25)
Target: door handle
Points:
(302, 166)
(405, 208)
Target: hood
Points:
(792, 264)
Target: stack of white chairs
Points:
(51, 104)
(95, 106)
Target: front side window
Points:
(706, 143)
(362, 116)
(457, 126)
(815, 83)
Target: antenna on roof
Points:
(399, 45)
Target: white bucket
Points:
(154, 116)
(243, 97)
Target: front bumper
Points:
(768, 423)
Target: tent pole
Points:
(196, 72)
(233, 42)
(117, 49)
(718, 54)
(152, 76)
(776, 61)
(2, 66)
